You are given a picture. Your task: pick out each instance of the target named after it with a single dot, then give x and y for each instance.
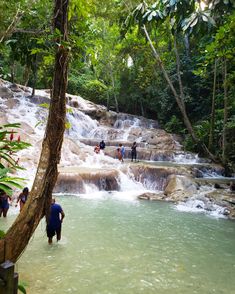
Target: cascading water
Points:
(117, 128)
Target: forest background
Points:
(169, 60)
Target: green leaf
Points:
(45, 105)
(6, 188)
(22, 289)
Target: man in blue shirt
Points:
(55, 221)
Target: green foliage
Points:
(2, 234)
(21, 288)
(174, 125)
(8, 150)
(44, 105)
(87, 86)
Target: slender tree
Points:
(38, 204)
(225, 120)
(212, 122)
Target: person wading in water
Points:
(22, 198)
(55, 221)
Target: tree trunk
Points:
(178, 99)
(108, 103)
(114, 89)
(182, 97)
(13, 72)
(39, 201)
(142, 107)
(12, 25)
(187, 45)
(224, 135)
(26, 75)
(212, 122)
(35, 74)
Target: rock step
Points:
(163, 144)
(73, 179)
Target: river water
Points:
(114, 244)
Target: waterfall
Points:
(83, 172)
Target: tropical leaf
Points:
(5, 188)
(4, 171)
(22, 289)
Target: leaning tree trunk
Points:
(178, 97)
(38, 204)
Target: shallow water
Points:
(113, 246)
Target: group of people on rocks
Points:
(99, 147)
(56, 212)
(120, 150)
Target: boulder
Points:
(15, 88)
(180, 188)
(154, 177)
(6, 93)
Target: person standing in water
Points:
(97, 149)
(22, 198)
(133, 151)
(55, 221)
(102, 145)
(4, 203)
(119, 154)
(122, 150)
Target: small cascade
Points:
(81, 125)
(186, 158)
(200, 206)
(127, 183)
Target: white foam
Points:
(199, 206)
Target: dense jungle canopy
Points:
(170, 60)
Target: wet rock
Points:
(154, 177)
(12, 103)
(6, 93)
(180, 188)
(37, 99)
(76, 182)
(151, 196)
(199, 206)
(15, 88)
(69, 183)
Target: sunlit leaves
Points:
(9, 146)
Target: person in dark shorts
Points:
(133, 151)
(55, 221)
(4, 203)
